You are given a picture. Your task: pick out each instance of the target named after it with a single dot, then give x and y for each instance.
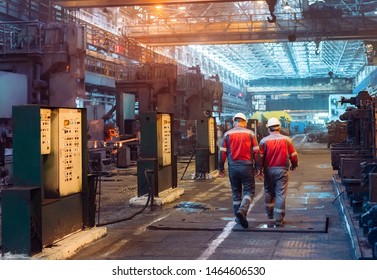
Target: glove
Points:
(293, 167)
(221, 174)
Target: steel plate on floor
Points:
(206, 221)
(301, 224)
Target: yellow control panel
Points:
(164, 139)
(63, 165)
(69, 134)
(211, 135)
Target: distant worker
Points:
(278, 155)
(239, 145)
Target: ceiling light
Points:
(286, 6)
(182, 8)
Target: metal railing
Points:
(20, 37)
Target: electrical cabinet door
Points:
(63, 167)
(70, 164)
(211, 135)
(164, 139)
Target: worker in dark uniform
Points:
(239, 145)
(278, 155)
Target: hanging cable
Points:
(317, 41)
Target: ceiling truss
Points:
(309, 39)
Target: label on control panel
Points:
(165, 140)
(45, 131)
(70, 165)
(211, 135)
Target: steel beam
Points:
(348, 28)
(250, 37)
(119, 3)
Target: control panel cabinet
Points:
(63, 166)
(157, 153)
(206, 148)
(49, 163)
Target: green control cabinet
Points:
(50, 196)
(156, 154)
(206, 150)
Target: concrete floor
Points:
(200, 225)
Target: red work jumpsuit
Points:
(277, 155)
(239, 145)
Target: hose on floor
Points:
(150, 199)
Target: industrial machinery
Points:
(206, 155)
(337, 132)
(201, 99)
(6, 168)
(153, 86)
(157, 166)
(40, 64)
(347, 156)
(50, 195)
(43, 64)
(188, 109)
(52, 56)
(3, 171)
(6, 156)
(13, 91)
(355, 158)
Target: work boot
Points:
(270, 216)
(242, 217)
(279, 223)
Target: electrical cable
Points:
(338, 196)
(150, 199)
(189, 162)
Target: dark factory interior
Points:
(112, 115)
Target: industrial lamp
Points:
(286, 5)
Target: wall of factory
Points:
(297, 102)
(13, 91)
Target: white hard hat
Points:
(273, 122)
(239, 116)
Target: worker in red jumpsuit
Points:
(240, 147)
(278, 155)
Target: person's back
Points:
(278, 155)
(239, 142)
(240, 147)
(277, 150)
